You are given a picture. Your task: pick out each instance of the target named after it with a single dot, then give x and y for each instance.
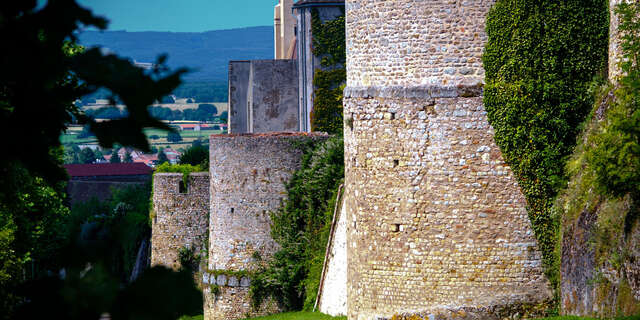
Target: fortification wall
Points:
(248, 178)
(615, 52)
(263, 96)
(273, 96)
(406, 43)
(181, 216)
(239, 72)
(437, 224)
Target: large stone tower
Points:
(437, 224)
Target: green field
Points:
(71, 137)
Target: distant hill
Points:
(208, 52)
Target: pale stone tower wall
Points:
(180, 216)
(249, 174)
(615, 52)
(436, 222)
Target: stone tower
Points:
(437, 224)
(248, 175)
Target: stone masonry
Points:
(436, 222)
(248, 178)
(181, 216)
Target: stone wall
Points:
(248, 178)
(615, 52)
(263, 96)
(180, 216)
(436, 222)
(415, 42)
(273, 96)
(238, 87)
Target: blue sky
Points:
(182, 15)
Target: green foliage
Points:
(328, 44)
(196, 155)
(45, 70)
(30, 219)
(300, 227)
(174, 137)
(604, 170)
(613, 152)
(162, 157)
(188, 258)
(122, 220)
(539, 60)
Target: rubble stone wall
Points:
(181, 216)
(249, 174)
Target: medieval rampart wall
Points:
(437, 224)
(249, 174)
(181, 216)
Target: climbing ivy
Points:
(540, 59)
(328, 81)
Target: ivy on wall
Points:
(605, 178)
(301, 228)
(540, 60)
(328, 81)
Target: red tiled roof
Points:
(107, 169)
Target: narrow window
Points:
(232, 210)
(396, 163)
(393, 116)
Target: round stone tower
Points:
(437, 224)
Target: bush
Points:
(301, 227)
(196, 155)
(539, 60)
(174, 137)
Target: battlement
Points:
(180, 216)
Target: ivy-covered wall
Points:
(329, 79)
(540, 60)
(600, 226)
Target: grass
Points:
(321, 316)
(302, 315)
(583, 318)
